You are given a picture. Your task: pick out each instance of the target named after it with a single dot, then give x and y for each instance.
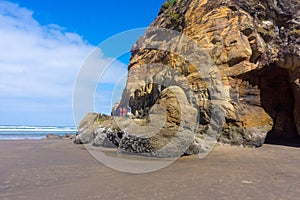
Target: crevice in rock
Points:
(144, 99)
(235, 61)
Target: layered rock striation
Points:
(235, 65)
(255, 46)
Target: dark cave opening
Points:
(277, 99)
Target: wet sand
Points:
(58, 169)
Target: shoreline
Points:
(59, 169)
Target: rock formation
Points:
(243, 83)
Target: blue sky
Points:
(43, 46)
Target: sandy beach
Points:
(58, 169)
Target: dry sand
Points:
(58, 169)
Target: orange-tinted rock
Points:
(255, 46)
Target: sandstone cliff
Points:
(253, 44)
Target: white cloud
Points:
(41, 61)
(36, 60)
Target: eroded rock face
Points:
(87, 129)
(236, 66)
(254, 45)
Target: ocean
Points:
(33, 132)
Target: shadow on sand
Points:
(275, 140)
